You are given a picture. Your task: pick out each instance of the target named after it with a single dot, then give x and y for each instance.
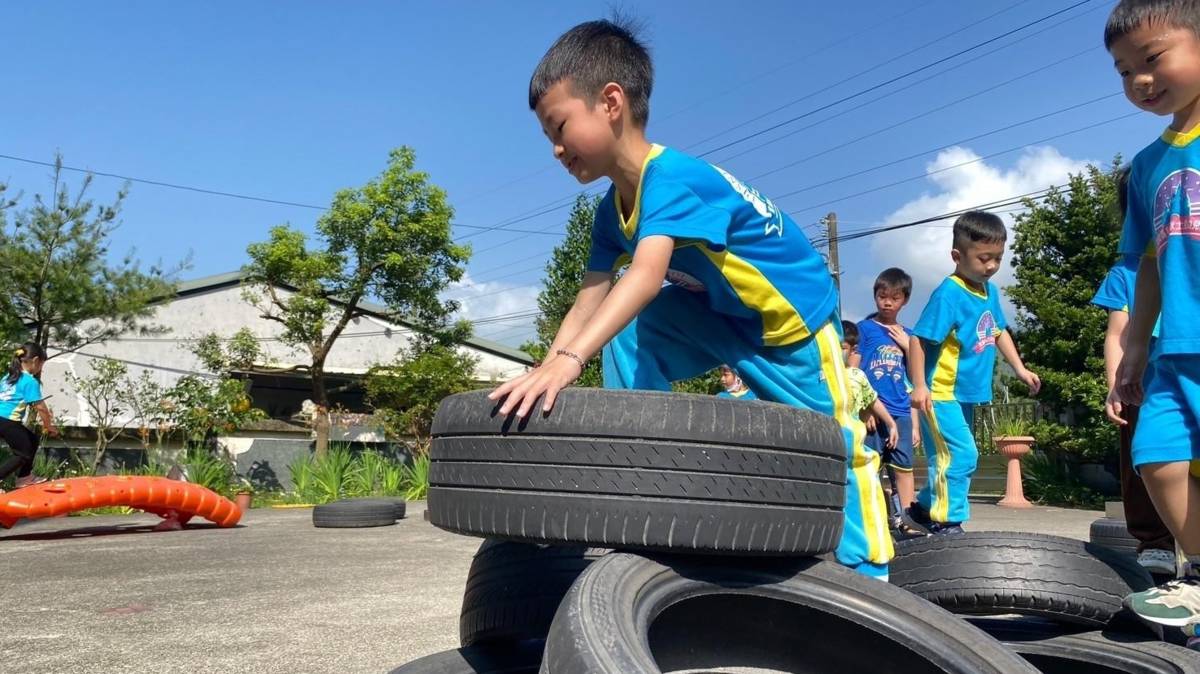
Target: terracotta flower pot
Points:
(242, 499)
(1013, 447)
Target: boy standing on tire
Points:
(1156, 547)
(951, 358)
(746, 288)
(1155, 46)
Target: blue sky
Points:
(292, 101)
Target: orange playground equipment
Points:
(159, 495)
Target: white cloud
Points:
(924, 252)
(481, 301)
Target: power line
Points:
(913, 118)
(960, 165)
(866, 71)
(939, 148)
(889, 21)
(892, 80)
(558, 204)
(887, 164)
(707, 100)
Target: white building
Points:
(216, 305)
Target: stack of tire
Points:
(650, 532)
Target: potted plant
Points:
(243, 493)
(1013, 442)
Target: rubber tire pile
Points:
(632, 532)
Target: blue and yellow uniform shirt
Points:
(744, 394)
(1164, 180)
(1116, 291)
(963, 325)
(16, 397)
(752, 262)
(886, 366)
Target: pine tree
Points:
(1062, 249)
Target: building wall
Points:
(166, 356)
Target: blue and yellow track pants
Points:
(950, 446)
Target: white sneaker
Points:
(1157, 561)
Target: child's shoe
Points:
(1175, 603)
(29, 480)
(1157, 561)
(920, 516)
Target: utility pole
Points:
(830, 222)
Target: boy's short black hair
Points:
(894, 278)
(1130, 15)
(593, 54)
(850, 333)
(978, 227)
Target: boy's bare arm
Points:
(596, 286)
(1008, 349)
(1147, 302)
(1114, 351)
(620, 305)
(1114, 345)
(855, 359)
(916, 374)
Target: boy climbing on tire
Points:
(746, 287)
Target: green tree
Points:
(200, 407)
(1062, 248)
(388, 240)
(560, 285)
(100, 394)
(406, 394)
(58, 286)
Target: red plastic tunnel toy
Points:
(157, 495)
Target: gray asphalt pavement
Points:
(105, 594)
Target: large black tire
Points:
(1093, 652)
(1112, 533)
(523, 658)
(629, 613)
(635, 469)
(990, 573)
(355, 513)
(513, 589)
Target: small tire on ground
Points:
(637, 469)
(992, 573)
(519, 658)
(1093, 652)
(355, 513)
(513, 589)
(1112, 533)
(629, 613)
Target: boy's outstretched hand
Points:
(1030, 379)
(548, 378)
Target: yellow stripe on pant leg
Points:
(941, 489)
(866, 470)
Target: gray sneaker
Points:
(1157, 561)
(1176, 603)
